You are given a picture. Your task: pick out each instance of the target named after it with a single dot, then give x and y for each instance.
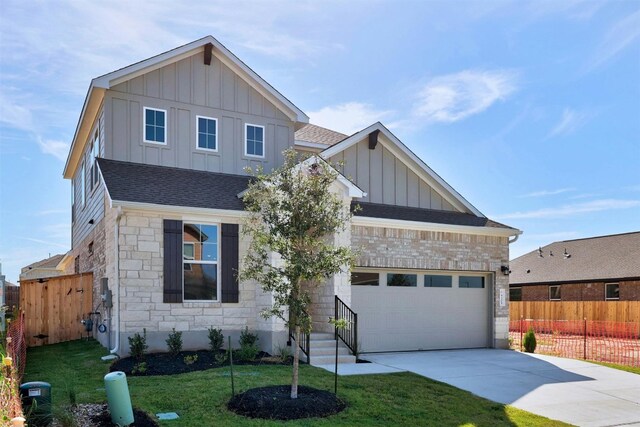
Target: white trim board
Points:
(398, 149)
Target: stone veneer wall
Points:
(141, 292)
(436, 250)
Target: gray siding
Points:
(387, 179)
(185, 90)
(94, 202)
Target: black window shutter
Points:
(229, 258)
(172, 261)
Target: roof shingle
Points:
(319, 135)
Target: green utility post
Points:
(118, 398)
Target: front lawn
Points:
(75, 371)
(632, 369)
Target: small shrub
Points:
(190, 360)
(216, 339)
(529, 341)
(138, 345)
(221, 358)
(174, 342)
(283, 353)
(139, 368)
(248, 338)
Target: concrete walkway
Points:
(573, 391)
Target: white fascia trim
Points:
(228, 58)
(308, 144)
(355, 138)
(185, 211)
(431, 226)
(352, 189)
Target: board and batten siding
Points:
(186, 89)
(94, 202)
(386, 179)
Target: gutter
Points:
(116, 347)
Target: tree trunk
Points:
(296, 364)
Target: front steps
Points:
(323, 350)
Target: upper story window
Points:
(207, 133)
(155, 125)
(73, 201)
(95, 152)
(254, 140)
(83, 189)
(612, 291)
(554, 293)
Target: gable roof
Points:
(100, 84)
(139, 183)
(418, 166)
(48, 263)
(318, 135)
(595, 258)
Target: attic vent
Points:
(373, 139)
(540, 252)
(208, 53)
(566, 254)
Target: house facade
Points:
(603, 268)
(157, 167)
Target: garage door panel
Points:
(421, 318)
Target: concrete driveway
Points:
(572, 391)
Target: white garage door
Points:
(421, 311)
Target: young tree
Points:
(294, 215)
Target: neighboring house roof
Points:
(596, 258)
(318, 135)
(47, 263)
(162, 185)
(418, 166)
(404, 213)
(98, 86)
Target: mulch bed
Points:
(275, 403)
(168, 364)
(98, 415)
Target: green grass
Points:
(632, 369)
(200, 397)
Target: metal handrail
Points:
(305, 342)
(348, 335)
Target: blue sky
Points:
(531, 110)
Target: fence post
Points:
(520, 333)
(584, 351)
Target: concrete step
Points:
(326, 360)
(326, 351)
(321, 336)
(323, 343)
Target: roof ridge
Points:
(595, 237)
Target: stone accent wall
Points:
(588, 291)
(382, 247)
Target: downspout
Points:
(514, 239)
(116, 310)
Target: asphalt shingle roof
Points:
(50, 262)
(376, 210)
(319, 135)
(596, 258)
(162, 185)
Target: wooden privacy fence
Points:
(601, 311)
(54, 307)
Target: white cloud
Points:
(622, 35)
(543, 193)
(454, 97)
(347, 118)
(573, 209)
(571, 121)
(57, 149)
(13, 114)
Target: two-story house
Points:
(157, 166)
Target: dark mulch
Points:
(275, 403)
(98, 415)
(168, 364)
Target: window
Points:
(471, 282)
(83, 190)
(365, 279)
(437, 281)
(207, 129)
(90, 249)
(73, 201)
(200, 260)
(399, 279)
(612, 291)
(76, 264)
(515, 294)
(155, 125)
(95, 152)
(554, 293)
(254, 140)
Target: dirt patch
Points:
(186, 361)
(275, 403)
(98, 415)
